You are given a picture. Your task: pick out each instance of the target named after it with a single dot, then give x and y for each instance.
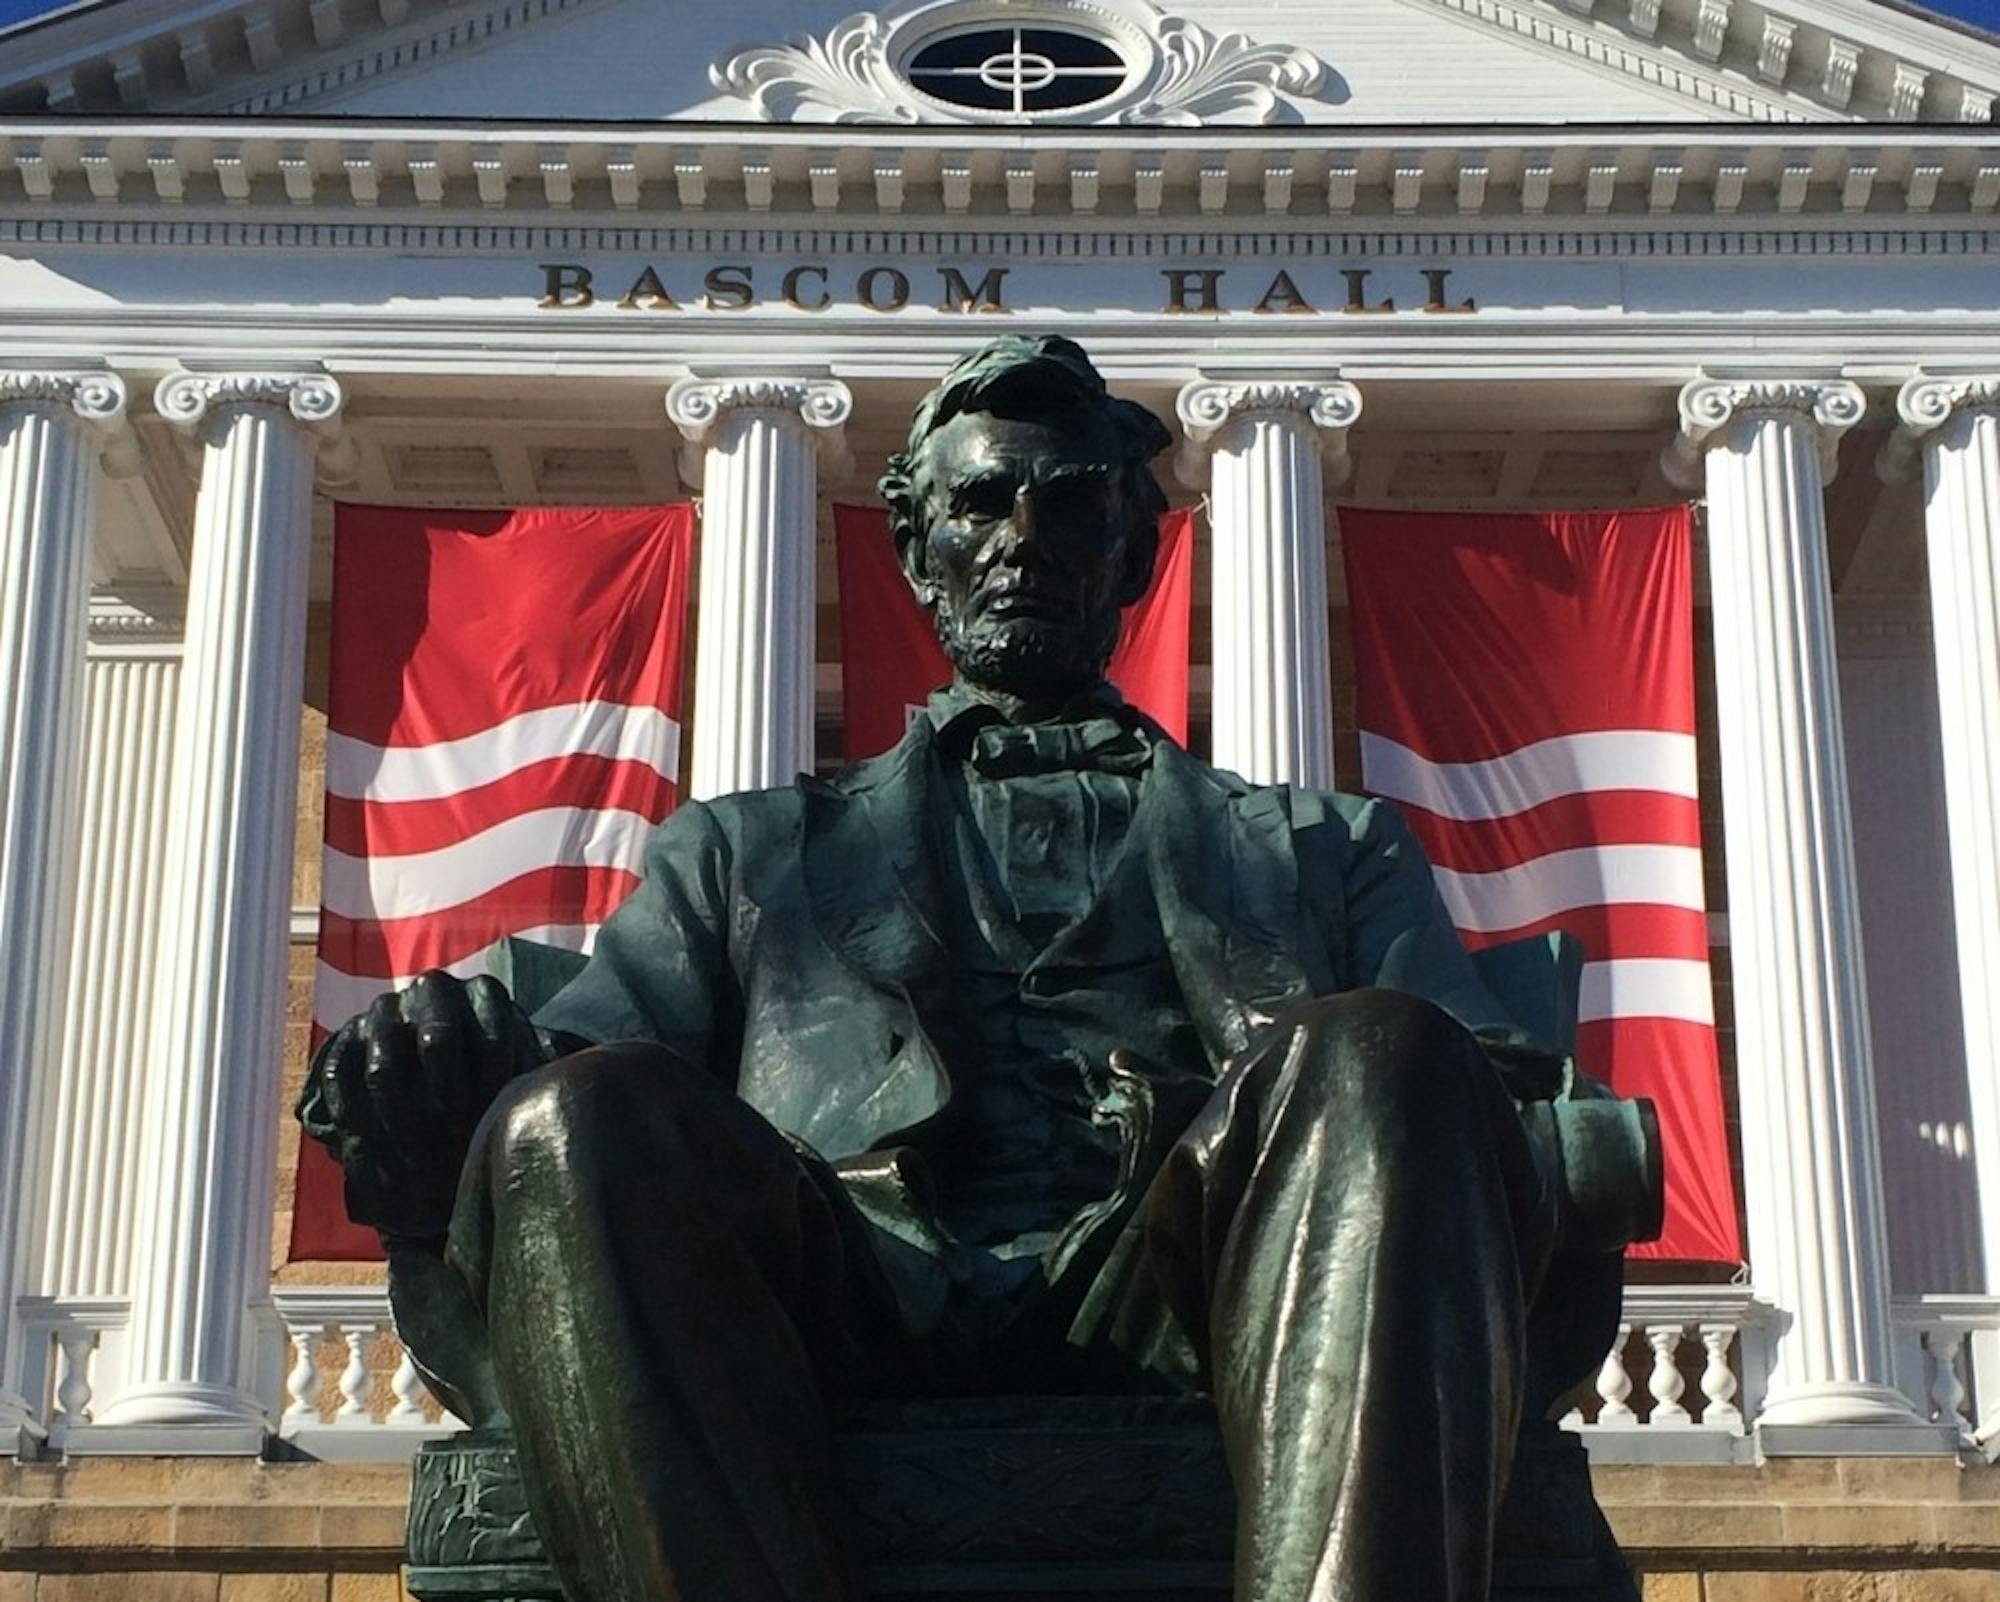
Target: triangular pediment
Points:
(1378, 63)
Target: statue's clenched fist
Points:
(396, 1093)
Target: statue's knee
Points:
(1381, 1051)
(576, 1103)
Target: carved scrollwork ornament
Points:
(1207, 407)
(1926, 403)
(1177, 73)
(1709, 407)
(98, 398)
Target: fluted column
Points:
(93, 1121)
(759, 441)
(1260, 446)
(1955, 423)
(219, 988)
(52, 426)
(1812, 1180)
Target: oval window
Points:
(1018, 70)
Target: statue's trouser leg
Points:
(668, 1284)
(1347, 1226)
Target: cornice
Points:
(1837, 62)
(887, 178)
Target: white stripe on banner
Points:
(338, 996)
(1561, 881)
(432, 881)
(1646, 987)
(1610, 759)
(365, 772)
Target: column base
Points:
(165, 1440)
(21, 1433)
(177, 1416)
(1849, 1419)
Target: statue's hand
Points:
(396, 1093)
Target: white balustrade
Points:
(354, 1428)
(1952, 1341)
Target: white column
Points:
(219, 989)
(1956, 424)
(755, 636)
(1813, 1188)
(92, 1120)
(51, 425)
(1260, 446)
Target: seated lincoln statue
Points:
(1032, 1057)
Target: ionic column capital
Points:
(697, 406)
(1924, 406)
(96, 397)
(1927, 403)
(187, 399)
(1208, 406)
(193, 400)
(1710, 407)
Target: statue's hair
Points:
(1054, 374)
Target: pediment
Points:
(1376, 63)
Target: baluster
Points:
(1947, 1390)
(302, 1384)
(354, 1379)
(408, 1386)
(1718, 1379)
(76, 1344)
(1614, 1384)
(1572, 1420)
(1665, 1383)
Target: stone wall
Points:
(227, 1530)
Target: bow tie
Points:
(1102, 745)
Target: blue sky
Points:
(1986, 13)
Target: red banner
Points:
(1525, 688)
(891, 660)
(502, 734)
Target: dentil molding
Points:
(1179, 74)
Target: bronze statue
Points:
(1033, 1056)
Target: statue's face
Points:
(1024, 562)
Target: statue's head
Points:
(1026, 514)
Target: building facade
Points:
(257, 257)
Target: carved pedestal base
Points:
(1022, 1500)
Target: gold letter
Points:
(959, 296)
(1178, 286)
(728, 289)
(1435, 277)
(648, 288)
(565, 286)
(1357, 292)
(790, 289)
(899, 289)
(1285, 293)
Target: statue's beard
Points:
(1028, 656)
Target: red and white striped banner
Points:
(1525, 688)
(891, 660)
(502, 734)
